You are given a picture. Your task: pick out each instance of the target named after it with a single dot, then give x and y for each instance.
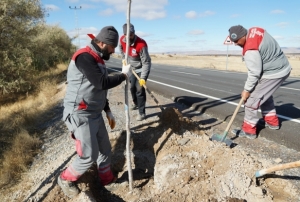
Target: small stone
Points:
(226, 189)
(183, 141)
(278, 160)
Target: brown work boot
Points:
(69, 188)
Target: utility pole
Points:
(76, 22)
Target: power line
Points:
(76, 21)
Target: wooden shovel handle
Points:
(234, 114)
(150, 93)
(277, 168)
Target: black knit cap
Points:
(131, 28)
(109, 35)
(237, 32)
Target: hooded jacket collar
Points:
(96, 48)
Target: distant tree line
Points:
(27, 44)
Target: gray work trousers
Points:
(92, 142)
(262, 98)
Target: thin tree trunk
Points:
(128, 150)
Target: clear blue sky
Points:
(179, 25)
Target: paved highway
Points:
(218, 93)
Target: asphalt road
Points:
(217, 93)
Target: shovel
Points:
(147, 89)
(222, 138)
(262, 172)
(150, 93)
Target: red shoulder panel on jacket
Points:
(88, 49)
(254, 38)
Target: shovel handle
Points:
(231, 120)
(234, 114)
(150, 93)
(138, 78)
(277, 167)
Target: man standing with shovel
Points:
(140, 61)
(268, 68)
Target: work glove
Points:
(111, 119)
(126, 69)
(142, 82)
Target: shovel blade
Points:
(220, 138)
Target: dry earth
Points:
(173, 159)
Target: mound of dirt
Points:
(172, 159)
(172, 118)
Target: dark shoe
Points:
(111, 186)
(133, 107)
(109, 182)
(242, 133)
(68, 187)
(265, 124)
(141, 117)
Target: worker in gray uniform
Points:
(85, 99)
(268, 68)
(140, 61)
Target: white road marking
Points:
(223, 71)
(113, 69)
(186, 73)
(214, 89)
(215, 98)
(290, 88)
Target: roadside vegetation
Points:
(33, 58)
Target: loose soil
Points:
(172, 157)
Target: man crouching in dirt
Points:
(268, 68)
(86, 97)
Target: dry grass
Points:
(234, 63)
(20, 125)
(16, 159)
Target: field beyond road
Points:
(234, 63)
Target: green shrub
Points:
(27, 45)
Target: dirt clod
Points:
(173, 118)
